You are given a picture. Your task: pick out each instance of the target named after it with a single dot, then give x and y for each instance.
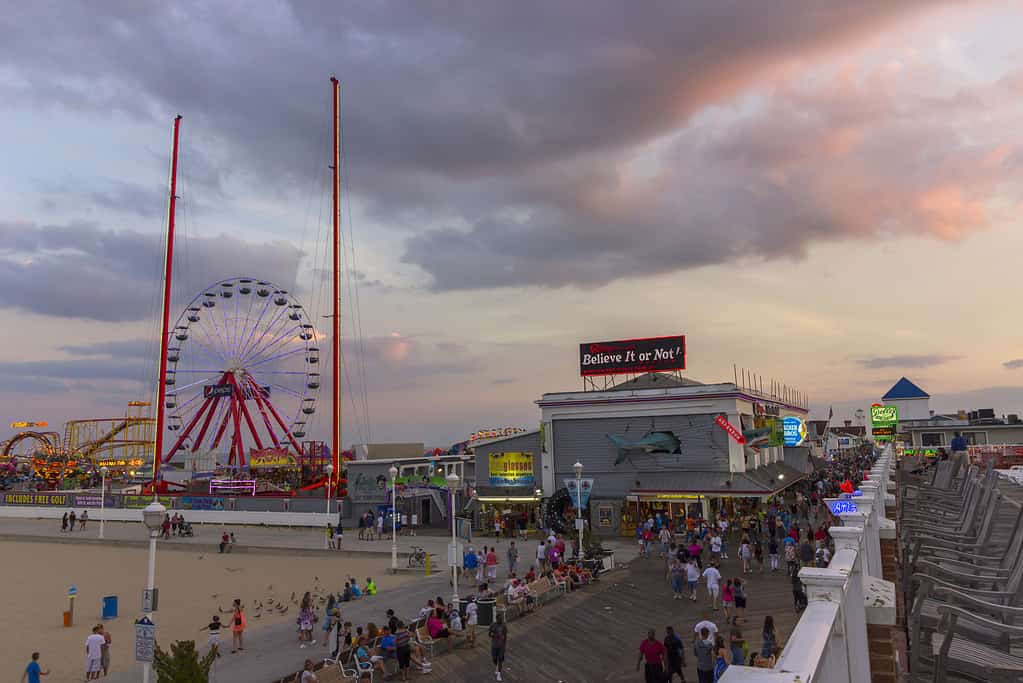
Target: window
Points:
(932, 439)
(976, 438)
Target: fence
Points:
(829, 642)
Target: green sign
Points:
(883, 421)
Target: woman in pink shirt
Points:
(728, 600)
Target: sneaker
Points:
(313, 642)
(302, 646)
(497, 674)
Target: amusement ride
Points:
(239, 376)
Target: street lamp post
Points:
(102, 498)
(330, 475)
(394, 513)
(152, 517)
(579, 504)
(452, 480)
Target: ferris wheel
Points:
(242, 371)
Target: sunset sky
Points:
(827, 193)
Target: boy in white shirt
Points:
(693, 577)
(94, 654)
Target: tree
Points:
(182, 664)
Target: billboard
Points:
(883, 421)
(795, 430)
(632, 356)
(271, 457)
(511, 469)
(37, 498)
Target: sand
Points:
(193, 587)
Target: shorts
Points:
(676, 584)
(740, 603)
(714, 590)
(692, 585)
(404, 657)
(497, 654)
(93, 665)
(726, 603)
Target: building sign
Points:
(121, 462)
(268, 458)
(26, 425)
(794, 430)
(722, 421)
(481, 434)
(605, 516)
(37, 498)
(632, 356)
(587, 486)
(776, 433)
(837, 507)
(883, 421)
(92, 501)
(511, 469)
(138, 502)
(217, 390)
(201, 503)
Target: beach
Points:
(194, 585)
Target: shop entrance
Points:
(424, 511)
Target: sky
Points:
(827, 194)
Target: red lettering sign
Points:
(723, 422)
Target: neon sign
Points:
(837, 507)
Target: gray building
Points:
(508, 475)
(659, 444)
(421, 485)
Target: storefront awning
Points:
(512, 494)
(764, 481)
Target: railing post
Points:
(850, 538)
(874, 509)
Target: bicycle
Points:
(417, 558)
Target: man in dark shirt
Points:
(498, 642)
(652, 653)
(675, 654)
(806, 552)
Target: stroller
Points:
(185, 529)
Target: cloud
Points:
(1013, 364)
(129, 348)
(906, 361)
(532, 121)
(80, 270)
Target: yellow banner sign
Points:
(511, 469)
(121, 462)
(271, 457)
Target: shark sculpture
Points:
(652, 442)
(755, 438)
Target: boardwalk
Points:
(593, 635)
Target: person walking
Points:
(63, 523)
(93, 654)
(362, 528)
(82, 519)
(728, 600)
(739, 595)
(703, 650)
(33, 671)
(339, 533)
(713, 578)
(380, 525)
(104, 650)
(675, 655)
(72, 519)
(498, 633)
(737, 645)
(772, 553)
(692, 577)
(238, 624)
(513, 558)
(665, 539)
(746, 554)
(721, 656)
(678, 574)
(330, 536)
(492, 565)
(652, 655)
(770, 637)
(541, 556)
(213, 638)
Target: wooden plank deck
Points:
(594, 635)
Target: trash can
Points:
(462, 603)
(110, 607)
(486, 609)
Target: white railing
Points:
(829, 642)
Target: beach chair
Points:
(426, 641)
(956, 651)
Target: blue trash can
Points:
(110, 607)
